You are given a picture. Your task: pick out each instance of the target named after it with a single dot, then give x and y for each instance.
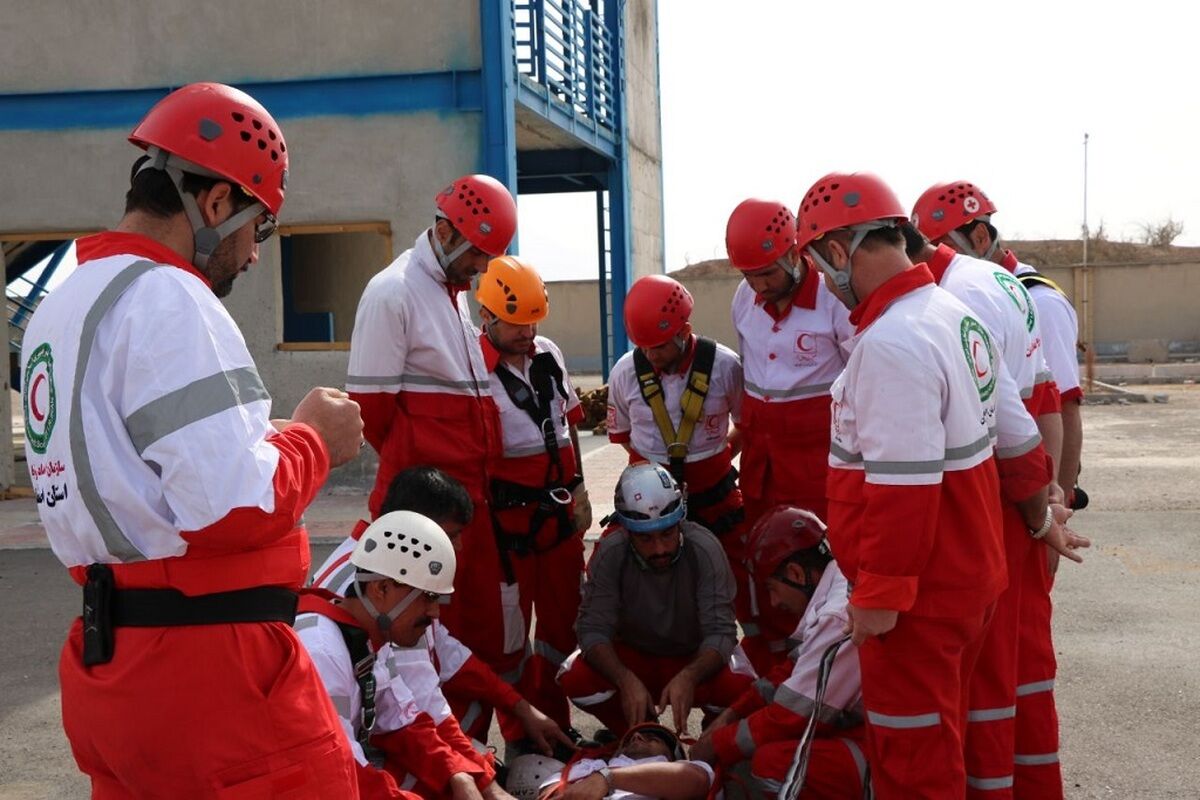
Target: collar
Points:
(427, 262)
(893, 289)
(942, 258)
(804, 295)
(492, 357)
(1009, 262)
(121, 243)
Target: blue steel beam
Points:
(311, 97)
(39, 287)
(620, 228)
(499, 86)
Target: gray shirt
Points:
(670, 613)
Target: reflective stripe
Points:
(198, 400)
(860, 760)
(904, 467)
(766, 689)
(533, 449)
(843, 454)
(797, 391)
(594, 699)
(548, 652)
(373, 380)
(769, 785)
(1020, 449)
(341, 704)
(1043, 377)
(1033, 688)
(514, 674)
(903, 722)
(429, 380)
(990, 784)
(804, 706)
(967, 450)
(1027, 393)
(991, 714)
(341, 578)
(750, 629)
(473, 712)
(114, 538)
(305, 622)
(743, 739)
(1035, 760)
(914, 467)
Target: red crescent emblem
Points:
(975, 355)
(33, 395)
(804, 342)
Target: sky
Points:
(763, 97)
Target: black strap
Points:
(699, 379)
(507, 495)
(1032, 279)
(547, 378)
(106, 607)
(714, 494)
(361, 656)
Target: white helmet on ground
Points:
(527, 773)
(648, 499)
(410, 549)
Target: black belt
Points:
(105, 607)
(715, 493)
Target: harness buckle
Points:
(560, 495)
(677, 450)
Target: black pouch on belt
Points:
(97, 615)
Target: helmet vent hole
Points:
(245, 136)
(387, 534)
(282, 147)
(271, 135)
(416, 554)
(403, 549)
(834, 186)
(262, 144)
(257, 125)
(391, 545)
(403, 572)
(274, 156)
(238, 116)
(427, 548)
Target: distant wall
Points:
(1130, 303)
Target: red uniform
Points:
(158, 459)
(417, 371)
(790, 358)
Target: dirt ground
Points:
(1127, 623)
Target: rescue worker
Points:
(540, 508)
(447, 680)
(656, 624)
(417, 371)
(404, 564)
(957, 216)
(167, 490)
(648, 764)
(787, 549)
(911, 458)
(790, 329)
(671, 401)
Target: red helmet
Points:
(482, 210)
(656, 308)
(779, 533)
(840, 200)
(947, 206)
(759, 233)
(224, 131)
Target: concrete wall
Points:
(644, 131)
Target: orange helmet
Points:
(656, 309)
(513, 291)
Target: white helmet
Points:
(410, 549)
(648, 499)
(527, 774)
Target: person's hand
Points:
(582, 515)
(336, 419)
(494, 791)
(1057, 497)
(678, 694)
(541, 730)
(1062, 540)
(462, 787)
(704, 750)
(726, 717)
(867, 622)
(593, 787)
(636, 702)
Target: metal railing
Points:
(565, 46)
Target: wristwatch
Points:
(1041, 532)
(606, 773)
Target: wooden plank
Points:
(302, 347)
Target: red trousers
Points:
(592, 692)
(992, 714)
(915, 682)
(474, 614)
(546, 585)
(229, 712)
(1038, 775)
(836, 768)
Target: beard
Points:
(222, 268)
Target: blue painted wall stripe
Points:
(315, 97)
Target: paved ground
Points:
(1127, 624)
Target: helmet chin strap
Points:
(841, 278)
(383, 620)
(446, 259)
(205, 238)
(967, 248)
(790, 269)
